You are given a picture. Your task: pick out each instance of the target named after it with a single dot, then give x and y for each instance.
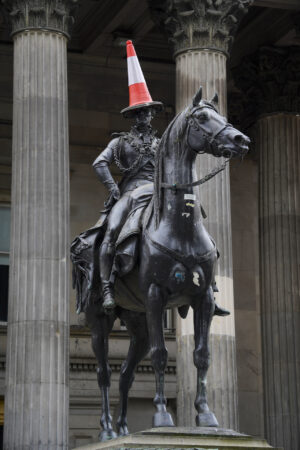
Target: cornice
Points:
(50, 15)
(91, 366)
(79, 331)
(199, 24)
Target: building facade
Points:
(63, 82)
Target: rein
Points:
(203, 180)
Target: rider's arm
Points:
(101, 166)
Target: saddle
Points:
(85, 256)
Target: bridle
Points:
(196, 125)
(211, 139)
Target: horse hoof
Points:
(107, 435)
(207, 419)
(123, 431)
(162, 419)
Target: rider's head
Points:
(143, 112)
(143, 116)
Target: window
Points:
(4, 259)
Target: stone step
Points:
(183, 438)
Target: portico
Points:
(34, 151)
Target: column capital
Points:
(269, 81)
(199, 24)
(51, 15)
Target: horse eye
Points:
(203, 116)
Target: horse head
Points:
(209, 132)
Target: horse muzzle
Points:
(235, 149)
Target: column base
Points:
(184, 437)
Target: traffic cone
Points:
(139, 95)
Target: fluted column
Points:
(202, 37)
(37, 396)
(279, 148)
(210, 68)
(277, 141)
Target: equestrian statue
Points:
(150, 251)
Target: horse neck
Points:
(179, 168)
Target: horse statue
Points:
(174, 266)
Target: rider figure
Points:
(134, 154)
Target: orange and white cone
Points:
(139, 95)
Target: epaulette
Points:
(119, 134)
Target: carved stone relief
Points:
(268, 82)
(52, 15)
(199, 24)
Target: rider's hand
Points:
(114, 195)
(115, 192)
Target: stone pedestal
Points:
(37, 394)
(183, 438)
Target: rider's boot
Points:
(106, 263)
(108, 295)
(219, 311)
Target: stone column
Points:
(37, 392)
(202, 36)
(275, 74)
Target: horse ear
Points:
(215, 99)
(197, 97)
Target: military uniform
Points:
(134, 155)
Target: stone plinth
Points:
(183, 438)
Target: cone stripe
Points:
(138, 91)
(130, 49)
(135, 74)
(139, 94)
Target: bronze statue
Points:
(134, 154)
(164, 258)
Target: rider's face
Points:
(143, 116)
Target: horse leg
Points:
(139, 346)
(155, 306)
(203, 314)
(101, 325)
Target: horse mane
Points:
(160, 153)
